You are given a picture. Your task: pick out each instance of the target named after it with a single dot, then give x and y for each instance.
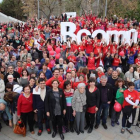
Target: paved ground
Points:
(112, 133)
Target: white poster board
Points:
(73, 14)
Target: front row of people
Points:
(64, 107)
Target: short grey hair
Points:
(104, 77)
(81, 85)
(119, 69)
(10, 76)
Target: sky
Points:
(1, 1)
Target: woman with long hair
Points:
(119, 98)
(24, 80)
(68, 92)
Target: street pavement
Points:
(112, 133)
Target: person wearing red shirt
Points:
(72, 58)
(134, 48)
(131, 101)
(89, 46)
(68, 78)
(91, 61)
(64, 46)
(97, 49)
(25, 107)
(116, 61)
(81, 47)
(113, 48)
(56, 76)
(19, 68)
(100, 72)
(104, 48)
(137, 61)
(81, 80)
(100, 60)
(73, 47)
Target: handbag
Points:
(20, 128)
(84, 106)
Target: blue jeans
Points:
(40, 116)
(103, 109)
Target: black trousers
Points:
(40, 116)
(134, 115)
(57, 120)
(90, 119)
(28, 117)
(139, 116)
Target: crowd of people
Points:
(67, 86)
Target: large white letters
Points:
(125, 35)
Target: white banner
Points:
(73, 14)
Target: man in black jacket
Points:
(39, 106)
(112, 80)
(105, 100)
(11, 72)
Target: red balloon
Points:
(49, 48)
(121, 53)
(57, 50)
(57, 56)
(51, 52)
(117, 107)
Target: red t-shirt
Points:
(89, 47)
(81, 48)
(91, 63)
(25, 105)
(116, 62)
(113, 49)
(73, 47)
(137, 61)
(97, 50)
(72, 58)
(105, 49)
(133, 96)
(133, 49)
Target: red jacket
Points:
(24, 104)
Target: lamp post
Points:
(38, 9)
(106, 9)
(98, 2)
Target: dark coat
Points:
(109, 93)
(50, 101)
